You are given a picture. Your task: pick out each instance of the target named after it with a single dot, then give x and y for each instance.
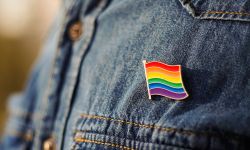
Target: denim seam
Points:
(228, 13)
(188, 4)
(166, 129)
(84, 140)
(84, 132)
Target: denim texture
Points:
(92, 93)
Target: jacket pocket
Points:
(238, 10)
(104, 132)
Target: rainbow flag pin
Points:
(164, 80)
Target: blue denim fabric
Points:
(92, 93)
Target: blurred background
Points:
(23, 28)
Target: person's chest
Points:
(101, 92)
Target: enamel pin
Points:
(164, 80)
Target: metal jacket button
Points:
(75, 30)
(49, 144)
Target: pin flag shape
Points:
(164, 80)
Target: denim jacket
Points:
(91, 93)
